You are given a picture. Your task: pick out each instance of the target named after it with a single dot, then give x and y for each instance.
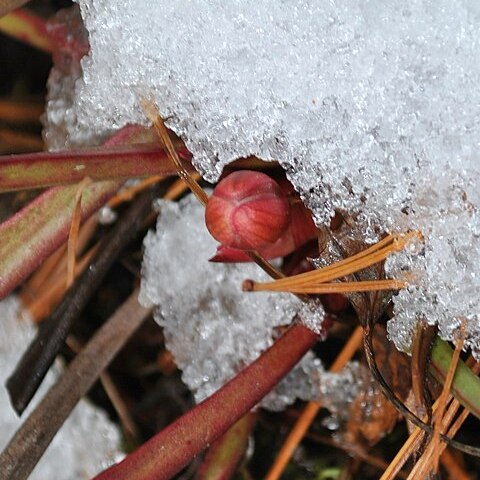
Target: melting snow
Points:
(370, 106)
(86, 444)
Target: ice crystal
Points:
(337, 392)
(370, 106)
(312, 316)
(211, 326)
(86, 444)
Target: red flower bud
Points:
(247, 210)
(300, 230)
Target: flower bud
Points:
(247, 211)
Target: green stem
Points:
(466, 385)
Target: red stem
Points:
(43, 169)
(173, 448)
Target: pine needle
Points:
(338, 287)
(430, 458)
(312, 282)
(151, 112)
(309, 413)
(74, 228)
(415, 439)
(128, 194)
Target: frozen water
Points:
(87, 442)
(338, 391)
(312, 316)
(60, 118)
(211, 326)
(446, 283)
(370, 106)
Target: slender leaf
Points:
(45, 169)
(41, 227)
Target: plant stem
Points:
(44, 169)
(173, 448)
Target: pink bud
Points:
(247, 210)
(300, 230)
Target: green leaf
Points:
(465, 386)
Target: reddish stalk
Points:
(72, 242)
(25, 27)
(44, 169)
(36, 231)
(173, 448)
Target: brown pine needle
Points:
(49, 296)
(415, 439)
(430, 458)
(129, 193)
(152, 113)
(413, 443)
(74, 229)
(309, 413)
(439, 416)
(179, 187)
(427, 461)
(372, 255)
(338, 287)
(458, 422)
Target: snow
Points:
(370, 106)
(86, 444)
(211, 326)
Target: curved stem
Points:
(173, 448)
